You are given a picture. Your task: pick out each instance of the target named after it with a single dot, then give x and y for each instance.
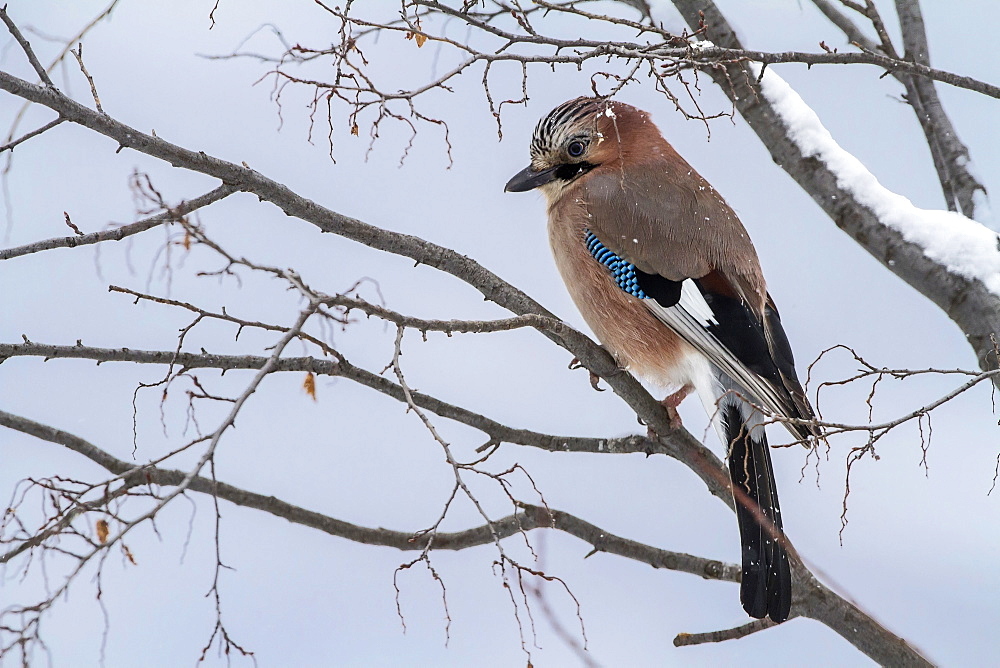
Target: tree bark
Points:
(968, 302)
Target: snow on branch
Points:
(963, 246)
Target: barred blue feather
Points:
(623, 271)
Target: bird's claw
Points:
(575, 363)
(674, 400)
(594, 380)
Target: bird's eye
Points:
(575, 149)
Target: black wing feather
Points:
(666, 292)
(739, 330)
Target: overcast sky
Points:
(921, 547)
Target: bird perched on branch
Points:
(664, 273)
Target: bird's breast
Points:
(621, 322)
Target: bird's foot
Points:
(671, 402)
(675, 417)
(594, 380)
(674, 421)
(674, 400)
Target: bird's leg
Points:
(594, 378)
(674, 400)
(671, 403)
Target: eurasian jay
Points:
(664, 273)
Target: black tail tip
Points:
(768, 594)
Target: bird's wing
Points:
(781, 353)
(700, 271)
(726, 331)
(667, 220)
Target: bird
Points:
(664, 273)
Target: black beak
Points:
(529, 179)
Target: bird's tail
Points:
(766, 589)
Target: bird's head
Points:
(573, 139)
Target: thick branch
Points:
(950, 155)
(967, 301)
(531, 517)
(678, 443)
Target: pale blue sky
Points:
(921, 548)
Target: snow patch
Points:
(961, 245)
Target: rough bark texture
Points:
(967, 302)
(950, 155)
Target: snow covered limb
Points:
(951, 260)
(962, 190)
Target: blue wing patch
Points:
(624, 272)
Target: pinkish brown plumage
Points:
(634, 336)
(665, 274)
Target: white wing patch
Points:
(690, 319)
(694, 303)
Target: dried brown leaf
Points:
(309, 385)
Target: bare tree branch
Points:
(686, 639)
(26, 47)
(531, 517)
(119, 233)
(892, 65)
(812, 598)
(78, 54)
(968, 302)
(950, 155)
(678, 443)
(850, 29)
(34, 133)
(96, 549)
(75, 39)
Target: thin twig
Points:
(687, 639)
(119, 233)
(34, 133)
(26, 47)
(83, 68)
